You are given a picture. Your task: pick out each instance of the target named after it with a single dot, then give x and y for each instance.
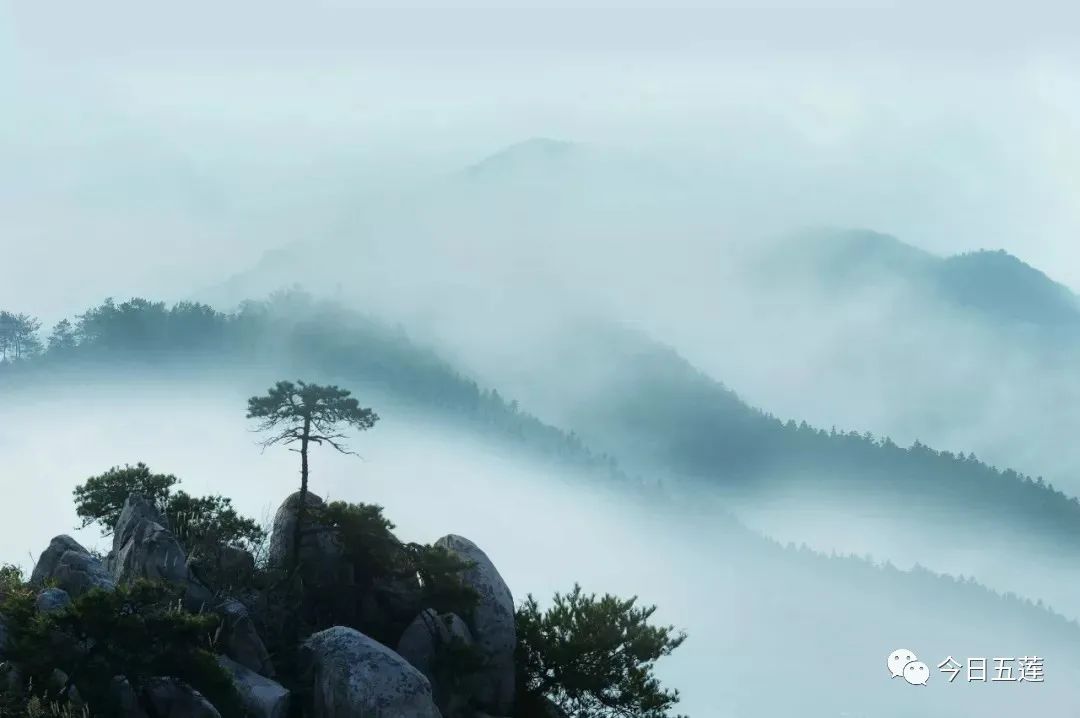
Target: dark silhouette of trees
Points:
(64, 338)
(18, 336)
(307, 414)
(665, 413)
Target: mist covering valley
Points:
(785, 344)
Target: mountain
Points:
(995, 286)
(536, 156)
(999, 285)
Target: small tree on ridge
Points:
(307, 414)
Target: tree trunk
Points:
(301, 508)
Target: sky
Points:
(156, 150)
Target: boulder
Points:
(261, 697)
(71, 567)
(12, 681)
(234, 566)
(136, 509)
(50, 557)
(228, 567)
(52, 600)
(240, 640)
(419, 645)
(58, 684)
(144, 548)
(354, 676)
(492, 625)
(170, 698)
(126, 699)
(320, 550)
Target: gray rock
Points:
(71, 567)
(50, 557)
(144, 548)
(235, 564)
(170, 698)
(353, 676)
(197, 597)
(78, 573)
(320, 550)
(52, 600)
(419, 645)
(126, 700)
(58, 683)
(492, 624)
(240, 640)
(136, 509)
(12, 681)
(261, 697)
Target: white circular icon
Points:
(898, 659)
(916, 673)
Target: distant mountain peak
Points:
(530, 152)
(996, 281)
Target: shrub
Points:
(592, 657)
(11, 579)
(366, 538)
(201, 524)
(375, 553)
(440, 580)
(138, 632)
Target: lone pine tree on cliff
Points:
(307, 414)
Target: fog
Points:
(771, 630)
(189, 141)
(512, 187)
(162, 153)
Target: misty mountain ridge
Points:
(653, 397)
(614, 390)
(532, 155)
(992, 284)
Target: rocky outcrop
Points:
(136, 508)
(170, 698)
(492, 624)
(144, 548)
(354, 676)
(240, 640)
(52, 600)
(71, 567)
(260, 696)
(420, 645)
(320, 550)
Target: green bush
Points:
(101, 499)
(592, 657)
(375, 553)
(138, 631)
(201, 524)
(366, 537)
(440, 580)
(11, 579)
